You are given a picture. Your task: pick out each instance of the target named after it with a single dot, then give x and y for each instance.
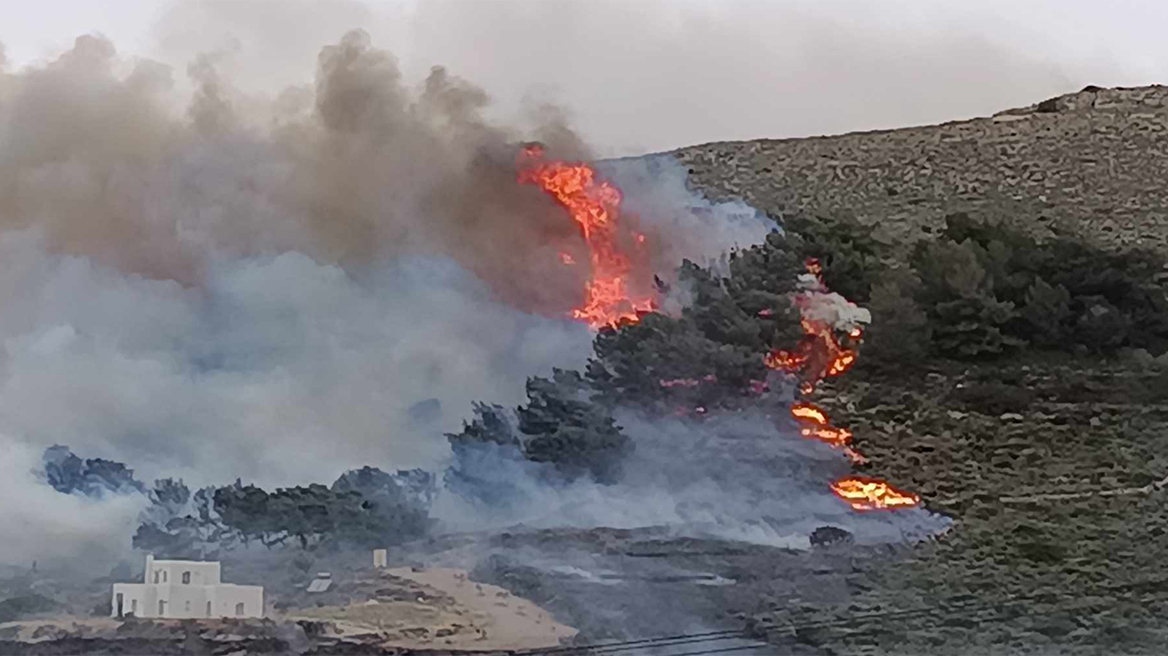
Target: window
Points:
(164, 576)
(134, 607)
(162, 608)
(186, 578)
(157, 575)
(239, 608)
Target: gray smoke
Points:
(741, 476)
(219, 285)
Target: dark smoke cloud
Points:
(209, 283)
(355, 169)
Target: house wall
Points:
(187, 589)
(145, 596)
(189, 601)
(228, 597)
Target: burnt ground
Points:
(1018, 573)
(1014, 575)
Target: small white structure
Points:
(321, 583)
(186, 589)
(380, 558)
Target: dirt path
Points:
(441, 608)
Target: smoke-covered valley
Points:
(222, 286)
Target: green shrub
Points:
(900, 333)
(1047, 312)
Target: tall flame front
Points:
(595, 205)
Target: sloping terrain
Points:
(1038, 558)
(1092, 163)
(1053, 470)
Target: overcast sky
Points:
(646, 75)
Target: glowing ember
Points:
(595, 206)
(809, 412)
(872, 494)
(817, 426)
(567, 259)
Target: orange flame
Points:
(595, 206)
(817, 426)
(809, 412)
(872, 494)
(819, 355)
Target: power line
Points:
(608, 647)
(943, 608)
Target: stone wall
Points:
(1093, 163)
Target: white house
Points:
(184, 589)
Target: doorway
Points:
(119, 605)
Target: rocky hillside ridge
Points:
(1091, 163)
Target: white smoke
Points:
(210, 295)
(736, 477)
(283, 291)
(655, 190)
(41, 524)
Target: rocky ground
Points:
(1091, 163)
(984, 443)
(1040, 560)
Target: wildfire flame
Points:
(872, 494)
(819, 354)
(595, 205)
(826, 319)
(817, 426)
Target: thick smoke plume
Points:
(226, 285)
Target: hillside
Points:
(1092, 163)
(986, 442)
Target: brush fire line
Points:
(826, 318)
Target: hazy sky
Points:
(642, 75)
